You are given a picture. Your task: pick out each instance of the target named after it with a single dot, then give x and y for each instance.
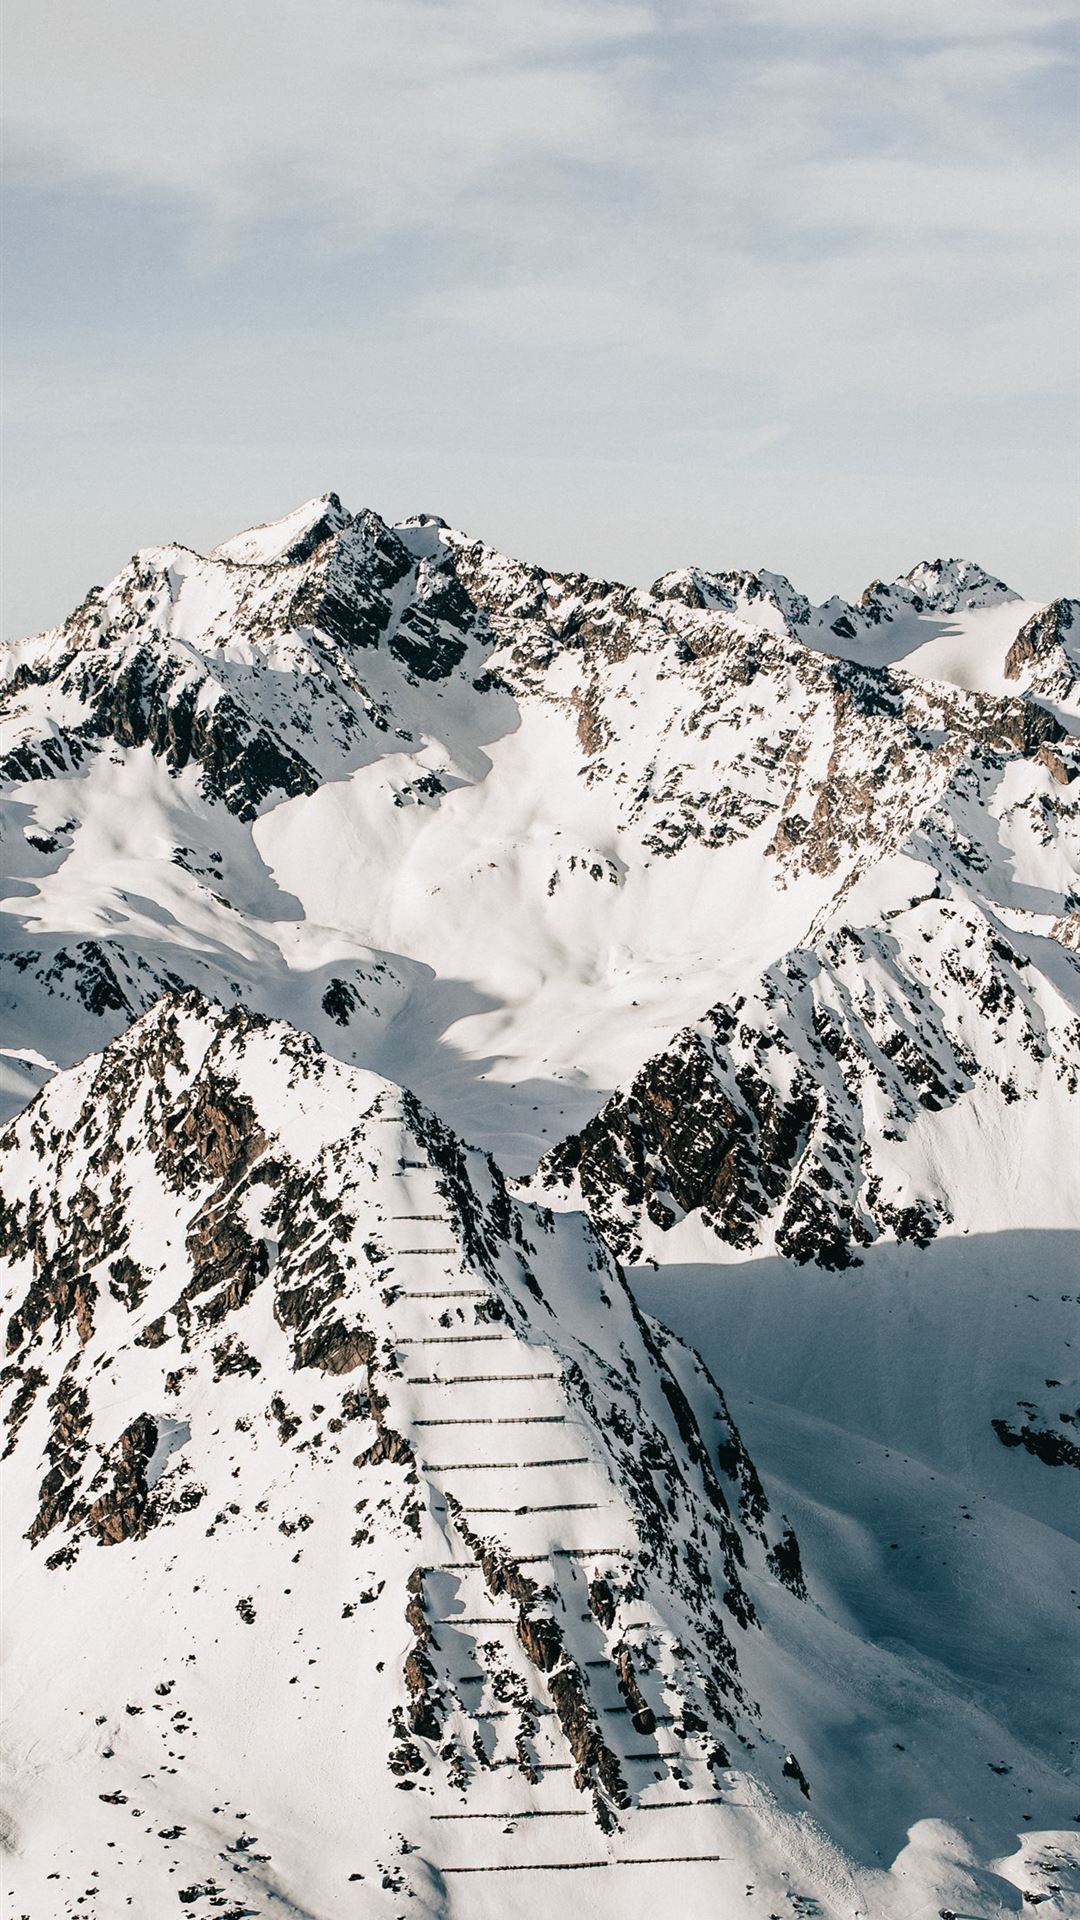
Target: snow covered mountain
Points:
(494, 831)
(256, 1296)
(743, 937)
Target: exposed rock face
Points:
(1050, 1434)
(1047, 651)
(776, 1119)
(785, 1560)
(124, 1511)
(297, 1358)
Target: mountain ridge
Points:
(430, 654)
(202, 1125)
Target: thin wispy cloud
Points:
(915, 19)
(602, 209)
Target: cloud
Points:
(807, 197)
(883, 195)
(792, 334)
(384, 113)
(913, 19)
(391, 111)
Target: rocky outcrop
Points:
(1052, 1436)
(147, 702)
(125, 1509)
(775, 1117)
(1041, 644)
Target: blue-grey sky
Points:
(619, 284)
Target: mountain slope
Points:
(914, 1067)
(252, 1354)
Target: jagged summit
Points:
(768, 600)
(287, 541)
(956, 586)
(760, 598)
(935, 586)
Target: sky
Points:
(614, 284)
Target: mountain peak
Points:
(758, 597)
(955, 586)
(424, 520)
(288, 540)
